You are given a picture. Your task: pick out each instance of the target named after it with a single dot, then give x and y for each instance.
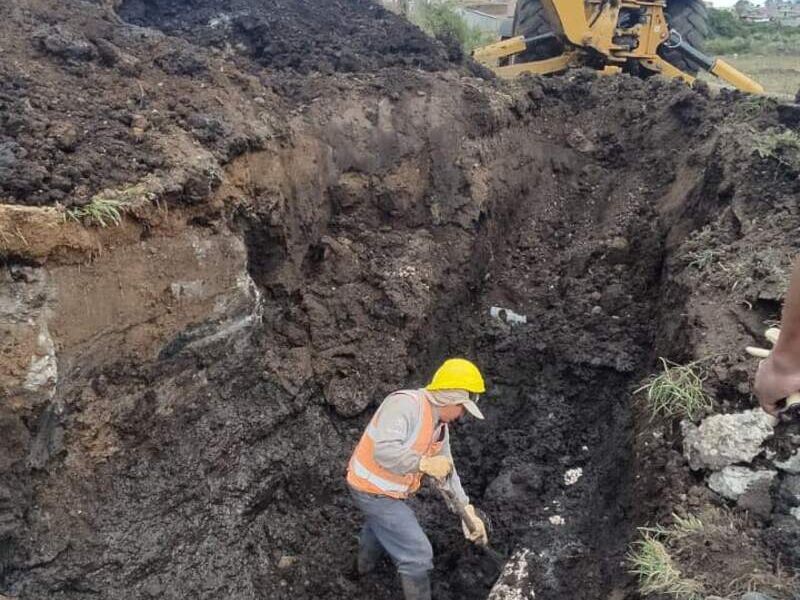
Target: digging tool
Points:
(460, 509)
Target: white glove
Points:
(478, 535)
(437, 466)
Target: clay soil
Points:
(320, 204)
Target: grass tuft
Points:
(781, 146)
(700, 259)
(650, 560)
(102, 211)
(677, 391)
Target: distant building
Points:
(775, 11)
(487, 15)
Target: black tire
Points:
(690, 19)
(530, 20)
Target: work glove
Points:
(774, 381)
(437, 467)
(478, 535)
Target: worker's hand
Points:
(437, 467)
(478, 535)
(775, 379)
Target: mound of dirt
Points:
(184, 390)
(84, 99)
(304, 35)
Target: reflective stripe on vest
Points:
(366, 475)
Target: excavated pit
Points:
(205, 376)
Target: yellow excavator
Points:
(640, 37)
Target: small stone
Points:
(287, 562)
(732, 482)
(259, 100)
(66, 136)
(140, 122)
(597, 310)
(556, 520)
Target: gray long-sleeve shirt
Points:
(397, 419)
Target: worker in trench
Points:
(407, 439)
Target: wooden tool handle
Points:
(457, 507)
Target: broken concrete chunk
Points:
(732, 482)
(723, 440)
(515, 582)
(790, 465)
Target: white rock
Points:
(795, 512)
(514, 582)
(790, 465)
(723, 440)
(507, 315)
(732, 482)
(42, 374)
(572, 475)
(557, 520)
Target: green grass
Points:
(100, 211)
(681, 528)
(781, 146)
(700, 259)
(676, 392)
(651, 562)
(784, 42)
(780, 75)
(442, 21)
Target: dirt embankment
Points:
(184, 390)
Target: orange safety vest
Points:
(366, 475)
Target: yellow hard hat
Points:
(457, 374)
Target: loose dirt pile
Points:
(304, 36)
(183, 391)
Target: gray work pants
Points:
(390, 524)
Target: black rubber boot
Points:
(417, 587)
(368, 558)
